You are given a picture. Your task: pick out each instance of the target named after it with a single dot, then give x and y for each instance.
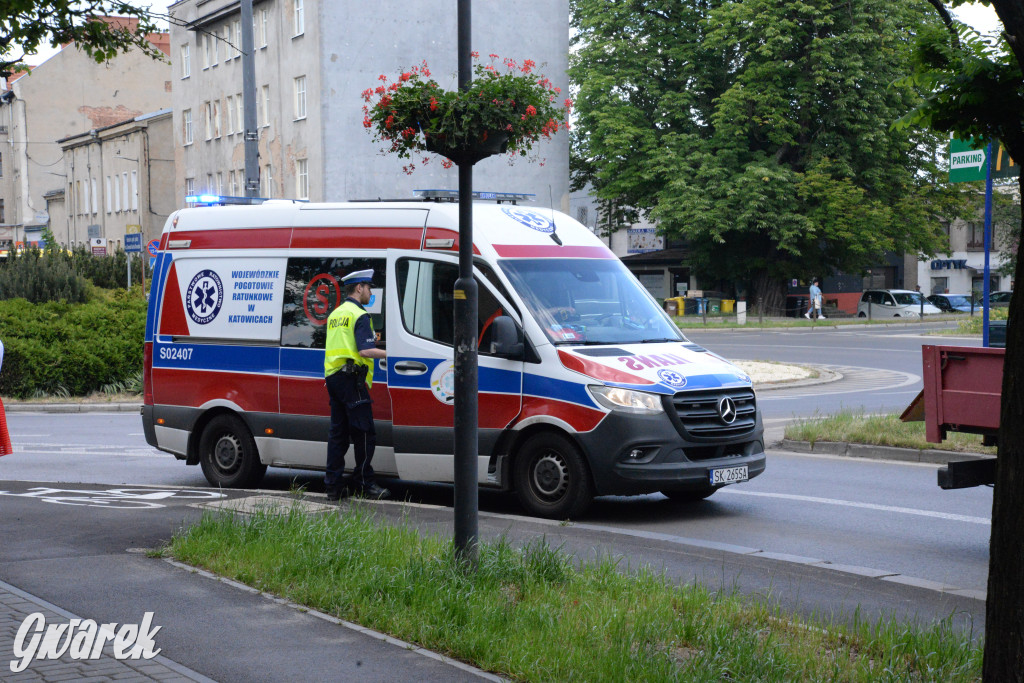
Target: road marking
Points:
(123, 498)
(855, 379)
(866, 506)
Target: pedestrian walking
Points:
(815, 302)
(350, 354)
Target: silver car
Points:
(893, 303)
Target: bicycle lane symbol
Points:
(124, 499)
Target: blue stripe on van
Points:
(220, 357)
(546, 387)
(309, 363)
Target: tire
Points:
(551, 478)
(862, 314)
(691, 496)
(228, 454)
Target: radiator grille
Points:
(700, 416)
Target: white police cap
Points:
(358, 277)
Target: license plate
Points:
(729, 475)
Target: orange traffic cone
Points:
(5, 437)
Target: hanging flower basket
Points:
(505, 110)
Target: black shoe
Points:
(375, 492)
(337, 494)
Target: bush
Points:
(62, 348)
(38, 276)
(972, 325)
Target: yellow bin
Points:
(728, 305)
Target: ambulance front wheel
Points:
(551, 477)
(228, 455)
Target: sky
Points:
(982, 18)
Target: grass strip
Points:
(535, 614)
(879, 430)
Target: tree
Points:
(27, 25)
(975, 87)
(759, 131)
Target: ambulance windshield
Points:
(589, 301)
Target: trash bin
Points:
(728, 305)
(672, 307)
(691, 306)
(997, 333)
(714, 306)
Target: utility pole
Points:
(467, 449)
(252, 136)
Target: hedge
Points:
(61, 348)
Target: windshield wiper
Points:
(654, 341)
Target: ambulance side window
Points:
(426, 296)
(313, 289)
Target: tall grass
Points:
(535, 614)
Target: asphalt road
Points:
(888, 516)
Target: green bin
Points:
(714, 306)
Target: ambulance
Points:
(586, 387)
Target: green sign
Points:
(967, 160)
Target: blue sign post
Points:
(133, 242)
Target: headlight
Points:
(627, 401)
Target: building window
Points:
(135, 190)
(207, 51)
(239, 113)
(259, 28)
(267, 181)
(93, 196)
(124, 191)
(220, 183)
(3, 217)
(208, 120)
(232, 189)
(238, 36)
(116, 198)
(186, 61)
(975, 236)
(190, 187)
(229, 52)
(298, 18)
(108, 195)
(216, 118)
(230, 118)
(302, 179)
(265, 105)
(215, 52)
(300, 97)
(209, 183)
(1, 165)
(186, 126)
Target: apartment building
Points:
(120, 178)
(312, 60)
(67, 94)
(962, 270)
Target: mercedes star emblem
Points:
(727, 410)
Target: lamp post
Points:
(465, 311)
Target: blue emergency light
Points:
(453, 196)
(221, 200)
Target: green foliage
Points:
(759, 131)
(71, 349)
(39, 276)
(31, 24)
(512, 101)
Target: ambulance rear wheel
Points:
(551, 477)
(228, 455)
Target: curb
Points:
(13, 407)
(824, 377)
(857, 450)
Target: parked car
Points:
(999, 298)
(953, 303)
(893, 303)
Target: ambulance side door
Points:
(421, 379)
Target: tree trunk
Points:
(769, 295)
(1004, 616)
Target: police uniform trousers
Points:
(351, 421)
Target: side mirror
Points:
(505, 340)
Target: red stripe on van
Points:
(550, 251)
(356, 238)
(590, 368)
(236, 238)
(581, 418)
(307, 396)
(172, 313)
(419, 408)
(252, 392)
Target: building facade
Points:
(69, 93)
(962, 270)
(313, 59)
(128, 165)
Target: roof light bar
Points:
(220, 200)
(453, 195)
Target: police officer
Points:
(348, 369)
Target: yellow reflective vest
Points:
(341, 340)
